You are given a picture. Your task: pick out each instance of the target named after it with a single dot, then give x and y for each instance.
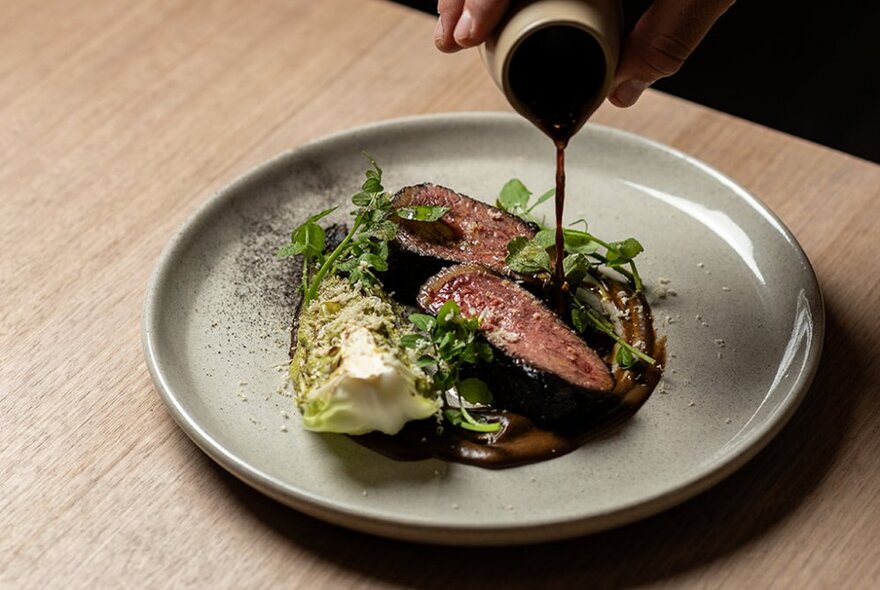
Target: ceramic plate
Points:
(743, 322)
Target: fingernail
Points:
(464, 28)
(438, 31)
(629, 92)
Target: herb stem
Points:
(632, 277)
(593, 238)
(305, 278)
(328, 264)
(605, 326)
(471, 423)
(637, 280)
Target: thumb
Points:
(663, 38)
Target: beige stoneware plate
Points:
(744, 328)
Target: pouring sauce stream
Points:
(556, 75)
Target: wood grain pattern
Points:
(119, 119)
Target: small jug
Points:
(554, 60)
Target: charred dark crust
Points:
(518, 386)
(548, 400)
(333, 236)
(407, 271)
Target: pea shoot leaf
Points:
(448, 342)
(423, 321)
(527, 256)
(372, 184)
(383, 231)
(620, 253)
(579, 319)
(579, 242)
(475, 391)
(362, 199)
(415, 341)
(514, 197)
(307, 239)
(545, 238)
(576, 267)
(625, 358)
(427, 213)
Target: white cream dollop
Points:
(369, 390)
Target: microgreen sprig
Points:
(308, 240)
(583, 317)
(526, 257)
(449, 341)
(584, 254)
(514, 198)
(364, 249)
(617, 254)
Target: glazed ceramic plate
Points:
(743, 319)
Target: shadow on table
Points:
(745, 506)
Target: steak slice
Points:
(542, 368)
(470, 232)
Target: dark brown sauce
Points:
(521, 441)
(559, 284)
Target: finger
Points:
(449, 11)
(478, 19)
(659, 44)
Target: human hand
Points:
(658, 45)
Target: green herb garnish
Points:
(514, 198)
(364, 250)
(427, 213)
(461, 417)
(585, 253)
(448, 342)
(534, 256)
(308, 240)
(584, 317)
(527, 256)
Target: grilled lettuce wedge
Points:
(349, 372)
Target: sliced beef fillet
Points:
(470, 231)
(542, 368)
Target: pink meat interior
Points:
(519, 324)
(478, 232)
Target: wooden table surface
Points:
(118, 119)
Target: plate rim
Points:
(409, 528)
